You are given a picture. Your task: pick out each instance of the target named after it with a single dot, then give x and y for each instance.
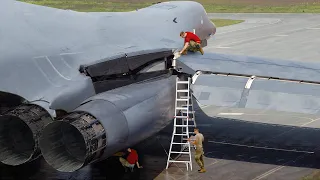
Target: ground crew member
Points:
(191, 43)
(131, 160)
(199, 150)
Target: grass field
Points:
(238, 6)
(314, 176)
(225, 22)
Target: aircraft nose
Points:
(214, 30)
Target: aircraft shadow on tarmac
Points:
(240, 140)
(225, 139)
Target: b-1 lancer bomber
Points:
(77, 87)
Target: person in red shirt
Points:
(191, 43)
(131, 160)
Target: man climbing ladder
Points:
(191, 43)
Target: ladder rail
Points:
(187, 108)
(188, 124)
(193, 112)
(185, 134)
(174, 123)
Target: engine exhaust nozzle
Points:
(73, 142)
(20, 129)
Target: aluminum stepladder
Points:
(183, 120)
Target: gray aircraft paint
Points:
(44, 50)
(42, 62)
(126, 115)
(54, 42)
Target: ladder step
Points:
(183, 82)
(182, 90)
(181, 134)
(180, 152)
(181, 125)
(182, 108)
(189, 132)
(185, 119)
(183, 99)
(181, 117)
(180, 161)
(185, 112)
(185, 125)
(181, 143)
(190, 105)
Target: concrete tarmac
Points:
(283, 36)
(251, 147)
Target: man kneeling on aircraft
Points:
(191, 43)
(131, 160)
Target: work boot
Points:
(202, 170)
(201, 50)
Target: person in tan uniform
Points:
(199, 150)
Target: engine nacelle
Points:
(107, 123)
